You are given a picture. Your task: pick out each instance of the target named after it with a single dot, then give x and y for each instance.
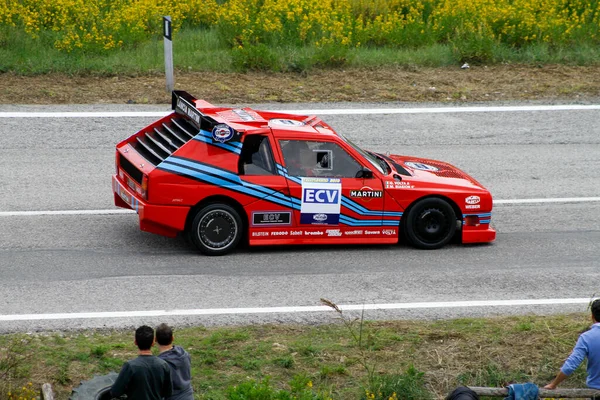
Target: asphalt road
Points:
(102, 263)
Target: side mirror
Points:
(364, 173)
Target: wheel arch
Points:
(455, 207)
(218, 199)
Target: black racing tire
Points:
(216, 229)
(97, 388)
(430, 223)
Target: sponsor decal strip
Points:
(292, 309)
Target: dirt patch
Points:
(478, 83)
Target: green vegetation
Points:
(125, 37)
(201, 50)
(349, 360)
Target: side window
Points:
(256, 157)
(311, 158)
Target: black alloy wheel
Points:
(430, 223)
(216, 229)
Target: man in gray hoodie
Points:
(178, 360)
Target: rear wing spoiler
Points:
(185, 104)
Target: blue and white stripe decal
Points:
(344, 219)
(283, 172)
(359, 209)
(346, 202)
(206, 137)
(231, 181)
(484, 218)
(225, 179)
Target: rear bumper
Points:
(478, 235)
(158, 219)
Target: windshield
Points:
(377, 162)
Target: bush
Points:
(474, 47)
(262, 390)
(13, 359)
(331, 56)
(408, 386)
(254, 58)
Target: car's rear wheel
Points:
(216, 229)
(430, 223)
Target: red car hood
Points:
(435, 171)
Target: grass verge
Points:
(422, 359)
(203, 51)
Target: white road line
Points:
(339, 111)
(123, 211)
(85, 114)
(550, 200)
(64, 212)
(287, 310)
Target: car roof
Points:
(205, 115)
(248, 121)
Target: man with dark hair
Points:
(179, 361)
(587, 346)
(146, 377)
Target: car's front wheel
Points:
(430, 223)
(216, 229)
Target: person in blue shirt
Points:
(179, 361)
(587, 346)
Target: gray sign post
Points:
(167, 33)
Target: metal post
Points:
(167, 33)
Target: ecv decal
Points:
(321, 201)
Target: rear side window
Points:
(256, 157)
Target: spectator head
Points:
(144, 337)
(164, 335)
(595, 307)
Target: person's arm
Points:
(120, 386)
(556, 381)
(167, 388)
(571, 363)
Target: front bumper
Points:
(159, 219)
(479, 235)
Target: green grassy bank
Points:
(414, 359)
(202, 50)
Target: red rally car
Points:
(223, 175)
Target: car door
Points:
(258, 172)
(329, 187)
